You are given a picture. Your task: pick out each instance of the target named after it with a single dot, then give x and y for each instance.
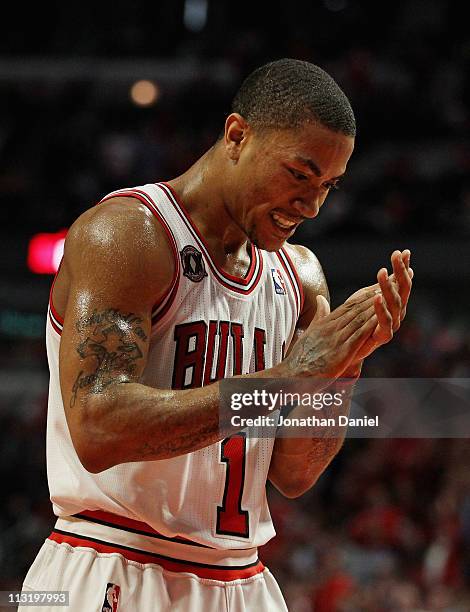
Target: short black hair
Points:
(289, 92)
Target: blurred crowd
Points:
(65, 142)
(387, 527)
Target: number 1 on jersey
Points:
(231, 519)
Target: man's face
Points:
(281, 178)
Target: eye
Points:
(297, 175)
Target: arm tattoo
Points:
(309, 359)
(110, 346)
(180, 444)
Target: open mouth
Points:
(284, 225)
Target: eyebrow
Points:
(306, 161)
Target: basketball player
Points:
(165, 289)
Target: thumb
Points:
(323, 308)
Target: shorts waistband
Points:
(176, 555)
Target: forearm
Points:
(297, 463)
(134, 422)
(113, 419)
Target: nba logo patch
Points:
(279, 285)
(111, 598)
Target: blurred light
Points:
(144, 93)
(58, 253)
(45, 252)
(195, 14)
(335, 5)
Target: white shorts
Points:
(111, 569)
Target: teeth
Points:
(282, 221)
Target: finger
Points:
(361, 335)
(396, 259)
(382, 333)
(406, 256)
(391, 296)
(410, 274)
(400, 264)
(403, 280)
(384, 330)
(360, 296)
(343, 315)
(353, 306)
(400, 275)
(357, 295)
(360, 320)
(351, 318)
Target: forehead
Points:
(308, 134)
(311, 141)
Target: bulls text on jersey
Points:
(195, 356)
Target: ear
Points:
(236, 131)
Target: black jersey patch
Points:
(193, 264)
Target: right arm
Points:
(119, 262)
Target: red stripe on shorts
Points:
(202, 570)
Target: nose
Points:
(308, 209)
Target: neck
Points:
(201, 190)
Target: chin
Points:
(269, 244)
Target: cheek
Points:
(271, 190)
(259, 189)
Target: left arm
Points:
(297, 463)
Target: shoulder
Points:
(311, 277)
(121, 238)
(309, 270)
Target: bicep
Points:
(104, 342)
(112, 290)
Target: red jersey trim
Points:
(296, 276)
(291, 281)
(203, 570)
(54, 312)
(57, 327)
(255, 283)
(56, 320)
(241, 285)
(121, 522)
(291, 277)
(164, 303)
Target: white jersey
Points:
(208, 326)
